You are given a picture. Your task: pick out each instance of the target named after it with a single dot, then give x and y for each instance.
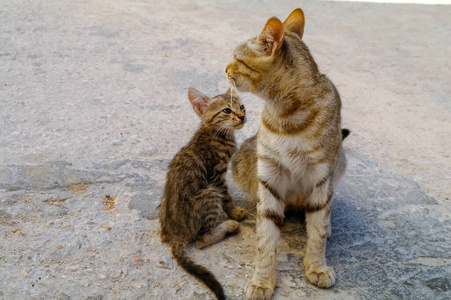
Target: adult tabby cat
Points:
(296, 158)
(196, 205)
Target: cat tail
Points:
(344, 133)
(198, 271)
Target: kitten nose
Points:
(243, 118)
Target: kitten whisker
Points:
(219, 131)
(226, 129)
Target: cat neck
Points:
(294, 82)
(217, 133)
(289, 101)
(294, 109)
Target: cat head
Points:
(262, 62)
(221, 113)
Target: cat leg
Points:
(232, 211)
(338, 173)
(270, 214)
(213, 227)
(340, 167)
(217, 234)
(317, 215)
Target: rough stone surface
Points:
(93, 107)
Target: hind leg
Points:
(213, 228)
(217, 234)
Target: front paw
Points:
(238, 213)
(258, 291)
(322, 277)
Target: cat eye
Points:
(227, 110)
(242, 107)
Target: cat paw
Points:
(200, 244)
(258, 291)
(232, 226)
(238, 213)
(322, 277)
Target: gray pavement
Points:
(93, 106)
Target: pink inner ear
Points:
(201, 107)
(198, 100)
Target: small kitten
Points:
(196, 205)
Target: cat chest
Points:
(295, 161)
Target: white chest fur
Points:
(288, 161)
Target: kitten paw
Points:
(258, 291)
(238, 213)
(232, 226)
(322, 277)
(200, 244)
(217, 234)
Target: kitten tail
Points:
(200, 272)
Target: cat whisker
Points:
(222, 130)
(227, 129)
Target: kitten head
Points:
(261, 62)
(221, 113)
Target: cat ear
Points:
(295, 22)
(199, 101)
(272, 36)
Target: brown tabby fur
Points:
(196, 205)
(296, 158)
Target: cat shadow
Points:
(345, 218)
(346, 222)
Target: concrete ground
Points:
(93, 106)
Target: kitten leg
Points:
(217, 234)
(234, 212)
(318, 224)
(270, 214)
(213, 228)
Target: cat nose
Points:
(243, 118)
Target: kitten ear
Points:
(199, 101)
(272, 35)
(295, 22)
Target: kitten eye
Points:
(242, 107)
(227, 110)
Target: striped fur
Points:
(296, 157)
(196, 205)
